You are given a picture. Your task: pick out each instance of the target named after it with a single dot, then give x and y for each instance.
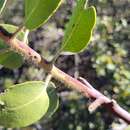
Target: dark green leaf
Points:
(53, 100)
(79, 29)
(2, 5)
(23, 104)
(8, 58)
(37, 12)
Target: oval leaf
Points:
(2, 5)
(37, 12)
(53, 100)
(79, 29)
(23, 104)
(8, 58)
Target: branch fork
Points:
(80, 85)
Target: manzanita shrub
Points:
(24, 104)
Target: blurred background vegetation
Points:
(105, 64)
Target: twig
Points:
(26, 35)
(47, 80)
(76, 60)
(85, 88)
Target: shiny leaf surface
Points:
(79, 29)
(23, 104)
(37, 12)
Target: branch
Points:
(85, 88)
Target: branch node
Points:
(85, 87)
(97, 103)
(84, 81)
(112, 102)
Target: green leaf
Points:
(8, 58)
(2, 5)
(23, 104)
(37, 12)
(79, 29)
(53, 100)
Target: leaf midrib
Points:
(79, 17)
(3, 6)
(28, 103)
(32, 11)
